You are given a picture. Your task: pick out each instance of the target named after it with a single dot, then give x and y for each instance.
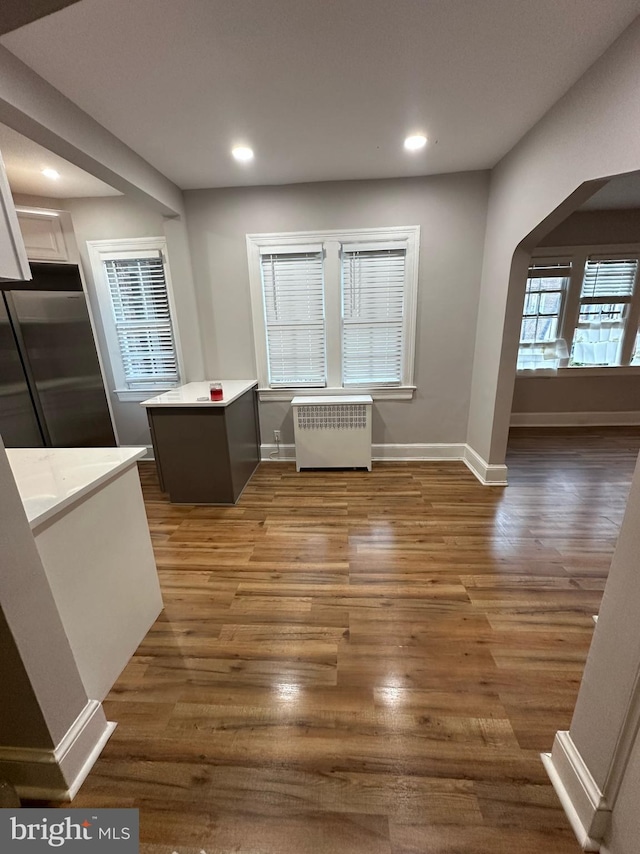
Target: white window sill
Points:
(618, 371)
(128, 395)
(405, 392)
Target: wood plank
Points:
(367, 662)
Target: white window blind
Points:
(609, 278)
(373, 284)
(293, 290)
(138, 290)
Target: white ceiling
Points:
(322, 90)
(24, 161)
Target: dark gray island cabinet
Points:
(206, 451)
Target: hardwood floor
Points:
(367, 662)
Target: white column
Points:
(51, 733)
(588, 763)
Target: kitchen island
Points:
(206, 451)
(87, 516)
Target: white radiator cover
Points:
(333, 431)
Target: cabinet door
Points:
(43, 236)
(13, 256)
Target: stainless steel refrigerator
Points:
(51, 388)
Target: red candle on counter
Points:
(215, 391)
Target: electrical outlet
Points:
(276, 436)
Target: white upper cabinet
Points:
(43, 235)
(13, 255)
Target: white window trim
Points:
(577, 255)
(587, 371)
(331, 241)
(551, 261)
(97, 250)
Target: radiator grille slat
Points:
(340, 417)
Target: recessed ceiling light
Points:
(415, 143)
(242, 153)
(51, 173)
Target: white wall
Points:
(623, 833)
(114, 217)
(530, 185)
(613, 664)
(50, 732)
(451, 212)
(599, 754)
(41, 689)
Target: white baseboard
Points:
(581, 799)
(56, 774)
(575, 419)
(390, 453)
(419, 452)
(488, 475)
(273, 454)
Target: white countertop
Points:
(52, 479)
(331, 400)
(187, 395)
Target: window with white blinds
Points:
(335, 310)
(293, 290)
(133, 286)
(581, 312)
(143, 320)
(607, 290)
(373, 284)
(609, 277)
